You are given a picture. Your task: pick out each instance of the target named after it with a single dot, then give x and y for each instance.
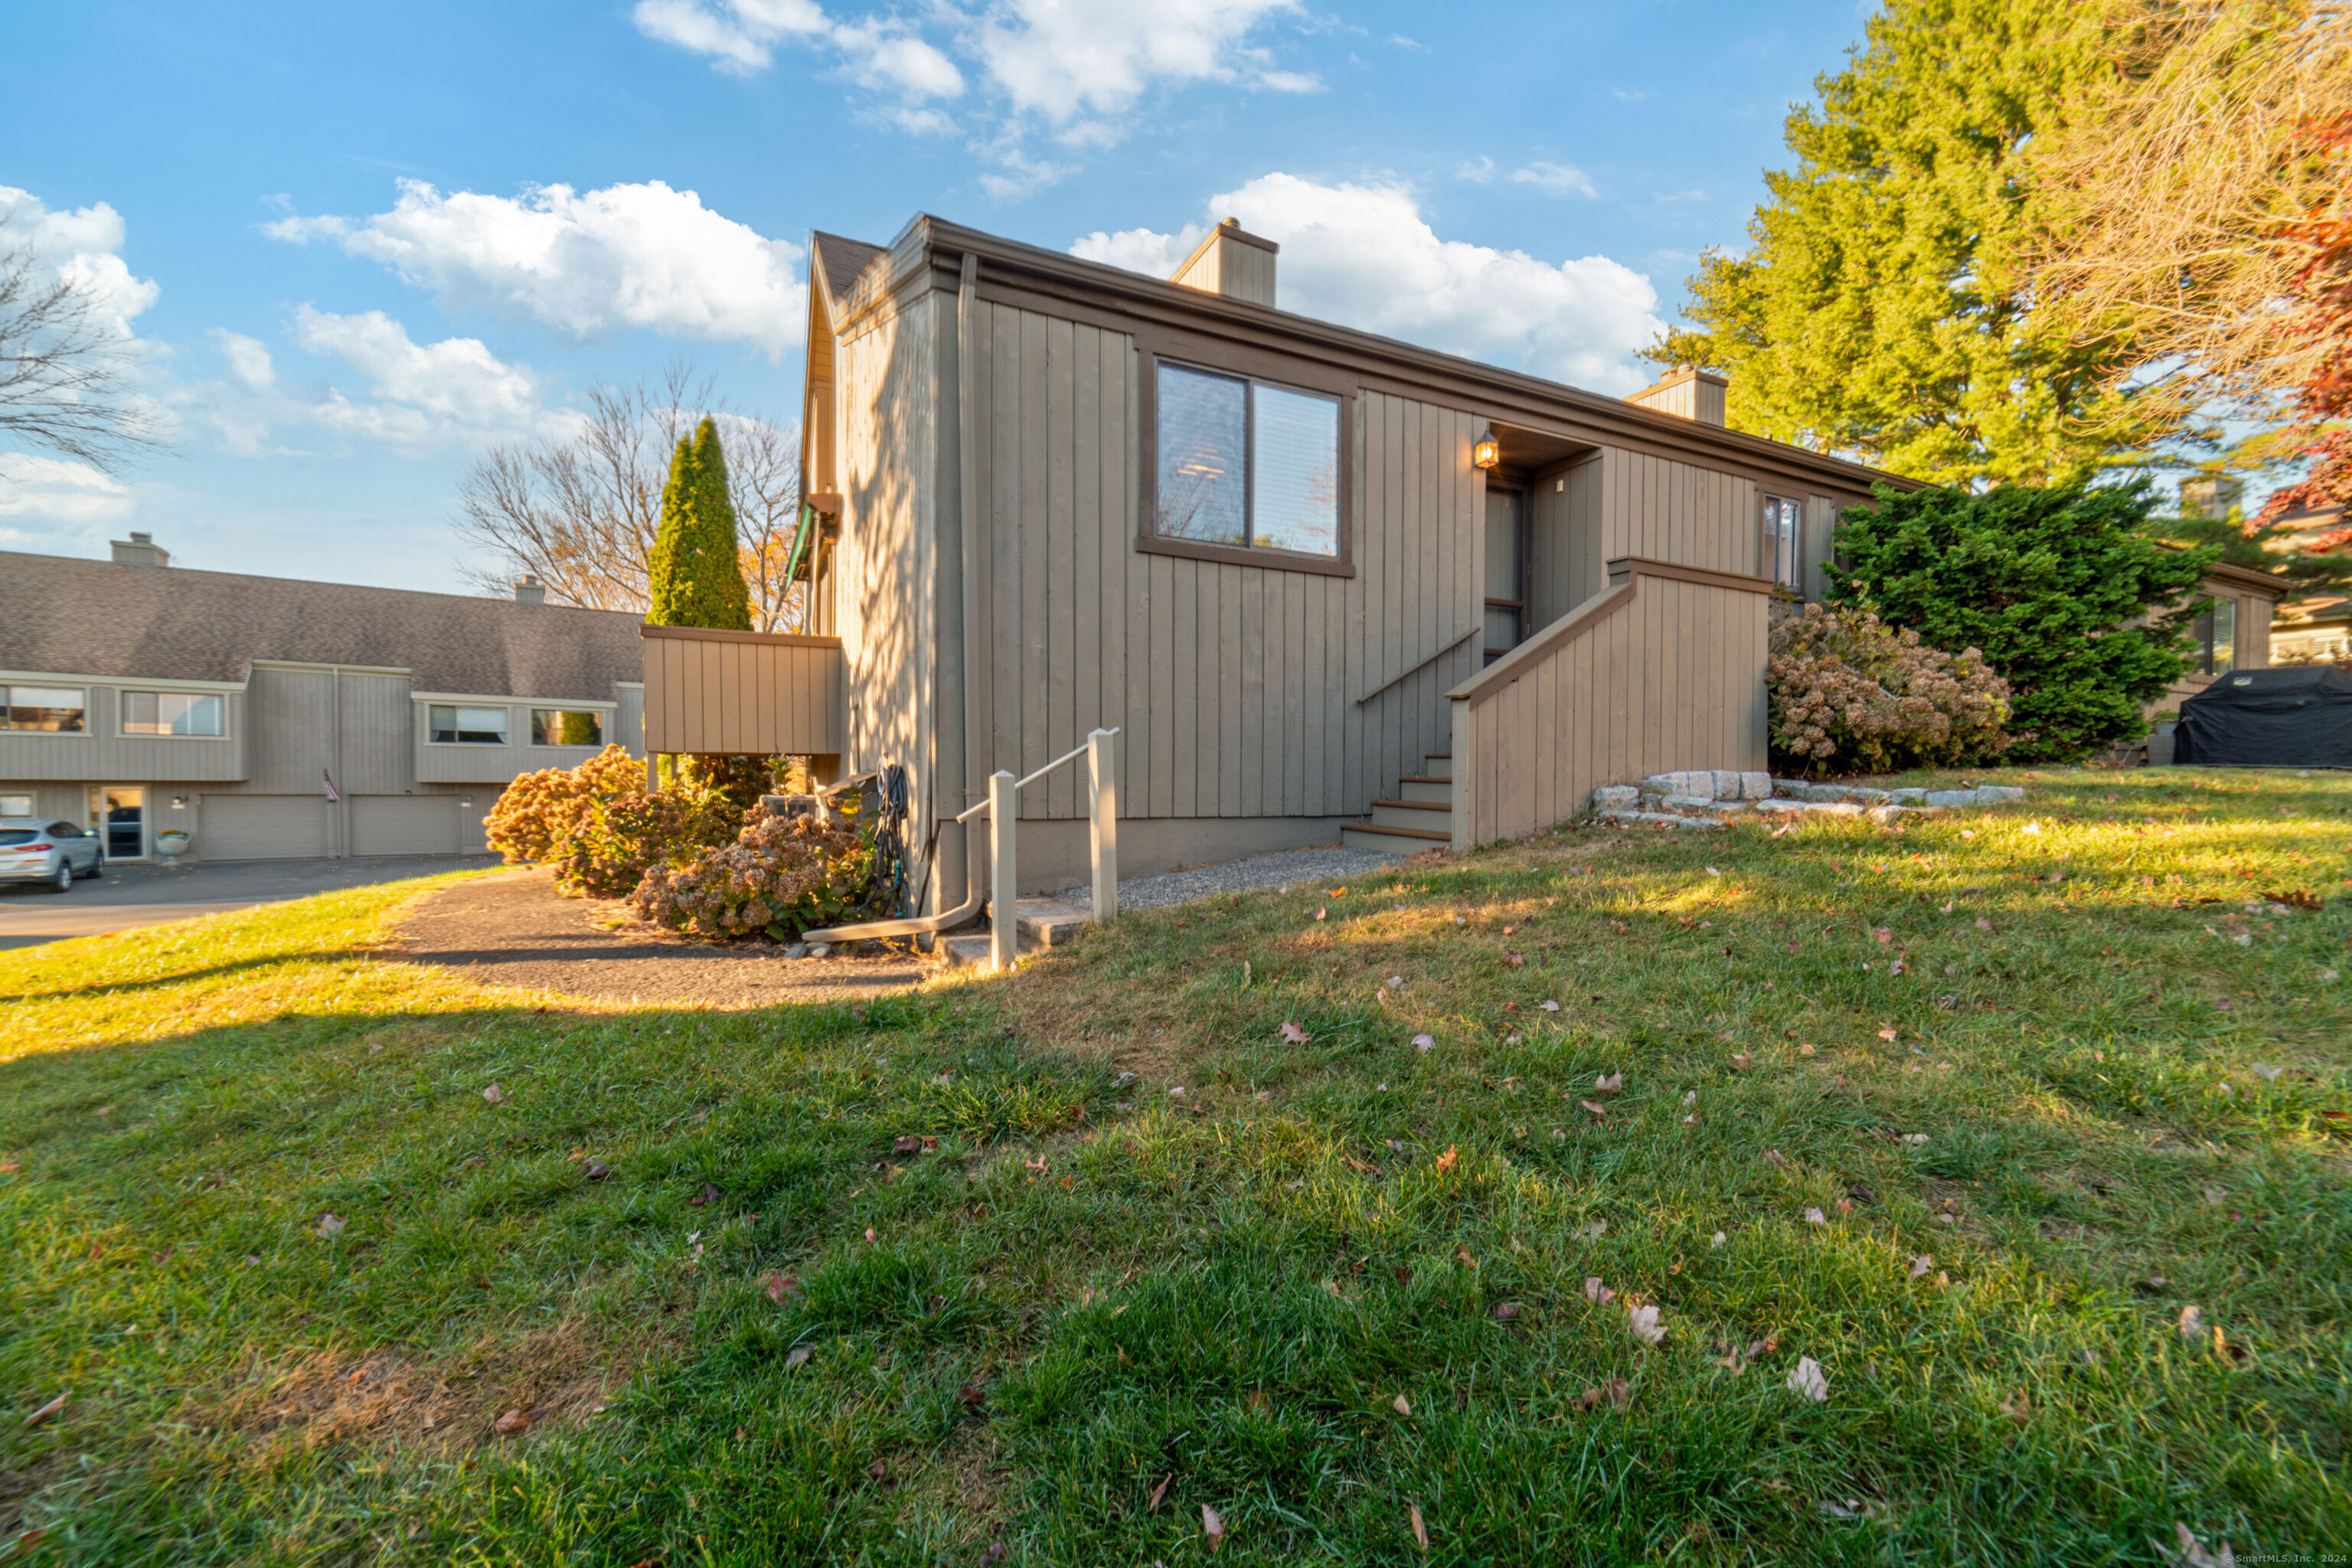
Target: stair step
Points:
(1379, 836)
(1438, 791)
(1043, 923)
(1440, 765)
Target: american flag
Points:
(330, 784)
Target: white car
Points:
(55, 853)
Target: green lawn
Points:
(1327, 1284)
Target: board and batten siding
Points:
(1654, 674)
(104, 753)
(1238, 690)
(741, 693)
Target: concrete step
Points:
(1392, 840)
(1419, 787)
(1043, 923)
(1438, 765)
(1420, 814)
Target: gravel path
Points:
(516, 930)
(1281, 870)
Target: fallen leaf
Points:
(2192, 1553)
(1886, 1034)
(1608, 1083)
(45, 1411)
(1318, 914)
(1461, 1256)
(1804, 1050)
(1690, 1098)
(1815, 1217)
(1446, 1162)
(907, 1145)
(1515, 961)
(1643, 1323)
(709, 1194)
(972, 1393)
(1160, 1493)
(1423, 1042)
(595, 1170)
(512, 1421)
(878, 1470)
(869, 1236)
(1739, 1060)
(1596, 1292)
(1597, 1109)
(1549, 1007)
(1774, 1157)
(798, 1355)
(1806, 1382)
(1293, 1034)
(780, 1286)
(1883, 933)
(2192, 1324)
(1718, 1240)
(2016, 1407)
(1397, 980)
(1915, 1138)
(1983, 924)
(331, 1225)
(494, 1094)
(1212, 1525)
(1402, 1405)
(1506, 1310)
(1920, 1263)
(1419, 1530)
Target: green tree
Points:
(696, 576)
(1878, 310)
(2062, 590)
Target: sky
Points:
(350, 250)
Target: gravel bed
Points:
(1283, 868)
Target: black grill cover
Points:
(2300, 716)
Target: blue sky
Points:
(355, 246)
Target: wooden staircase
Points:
(1420, 817)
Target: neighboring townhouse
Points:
(2233, 632)
(273, 718)
(1322, 582)
(2315, 628)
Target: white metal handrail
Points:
(1003, 818)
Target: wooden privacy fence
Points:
(743, 693)
(1664, 669)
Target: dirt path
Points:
(514, 929)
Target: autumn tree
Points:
(64, 372)
(1881, 309)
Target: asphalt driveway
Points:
(134, 895)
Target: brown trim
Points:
(1567, 629)
(2247, 577)
(828, 503)
(1250, 365)
(712, 633)
(1640, 567)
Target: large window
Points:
(171, 713)
(1246, 464)
(59, 710)
(1776, 555)
(15, 806)
(565, 727)
(453, 726)
(2216, 632)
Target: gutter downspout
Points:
(967, 484)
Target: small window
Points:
(453, 726)
(2216, 635)
(59, 710)
(171, 713)
(1246, 464)
(565, 727)
(1776, 555)
(64, 830)
(15, 806)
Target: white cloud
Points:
(626, 256)
(1555, 179)
(59, 491)
(1363, 256)
(80, 245)
(1480, 171)
(740, 36)
(1060, 60)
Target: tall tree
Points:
(581, 513)
(694, 576)
(1878, 310)
(64, 376)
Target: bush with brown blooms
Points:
(1852, 696)
(782, 875)
(623, 839)
(536, 817)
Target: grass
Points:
(1086, 1305)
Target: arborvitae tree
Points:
(697, 577)
(1879, 309)
(2062, 590)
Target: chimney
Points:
(530, 591)
(2206, 494)
(1686, 392)
(139, 550)
(1237, 265)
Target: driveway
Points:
(135, 895)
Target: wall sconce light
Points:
(179, 802)
(1488, 452)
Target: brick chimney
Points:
(1687, 393)
(530, 591)
(1231, 262)
(139, 550)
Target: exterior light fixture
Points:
(1488, 450)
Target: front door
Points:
(121, 825)
(1506, 569)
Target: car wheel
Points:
(98, 869)
(64, 880)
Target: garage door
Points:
(405, 825)
(261, 827)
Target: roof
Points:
(64, 615)
(2247, 577)
(1050, 279)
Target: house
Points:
(270, 719)
(2315, 628)
(1322, 583)
(2234, 631)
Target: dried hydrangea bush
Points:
(1852, 696)
(624, 841)
(540, 814)
(782, 875)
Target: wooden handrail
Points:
(1545, 642)
(708, 634)
(1458, 640)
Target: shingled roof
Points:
(69, 617)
